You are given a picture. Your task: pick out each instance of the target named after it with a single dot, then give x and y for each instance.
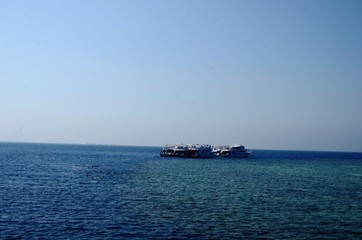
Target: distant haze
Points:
(267, 74)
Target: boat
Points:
(187, 151)
(231, 151)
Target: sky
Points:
(267, 74)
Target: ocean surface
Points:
(50, 191)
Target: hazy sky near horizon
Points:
(267, 74)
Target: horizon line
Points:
(126, 145)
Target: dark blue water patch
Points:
(108, 192)
(305, 155)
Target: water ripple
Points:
(83, 192)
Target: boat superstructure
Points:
(204, 151)
(187, 151)
(231, 151)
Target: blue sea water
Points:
(50, 191)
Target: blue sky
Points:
(266, 74)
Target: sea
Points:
(58, 191)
